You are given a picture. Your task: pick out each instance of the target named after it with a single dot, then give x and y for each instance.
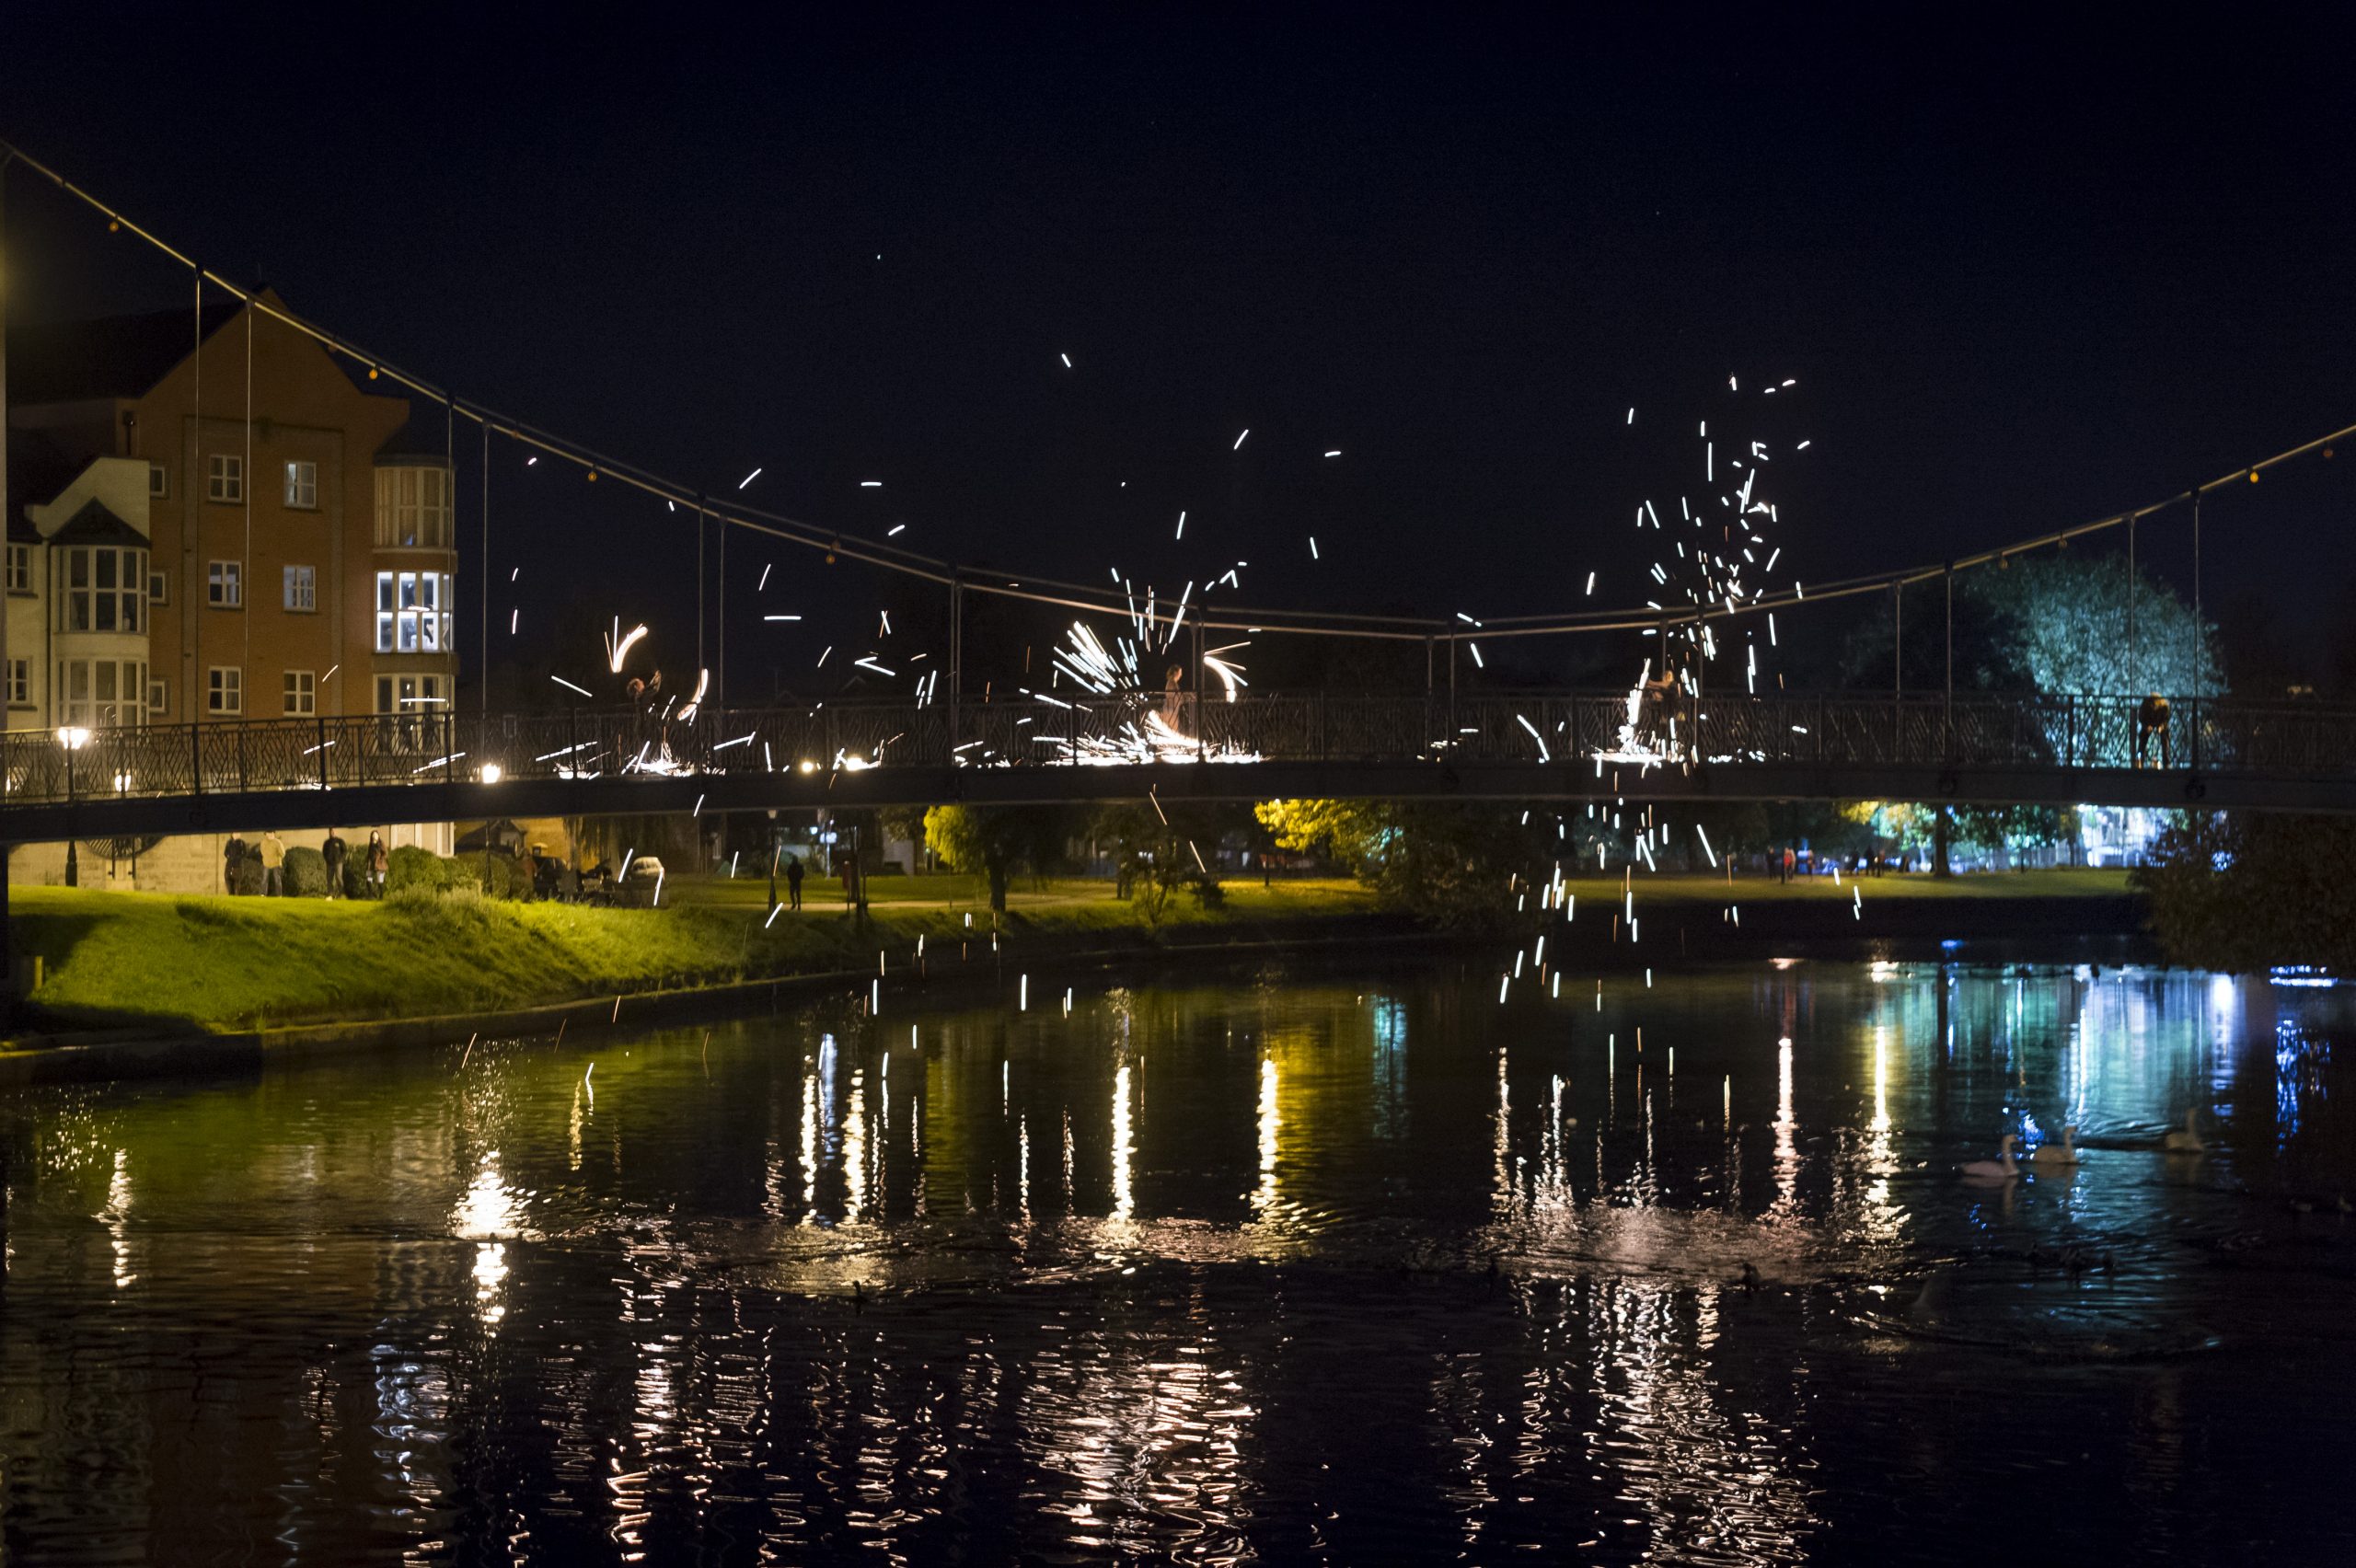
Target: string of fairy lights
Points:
(1090, 598)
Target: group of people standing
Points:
(270, 857)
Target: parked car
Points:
(640, 883)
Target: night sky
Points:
(2022, 275)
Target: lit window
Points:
(95, 692)
(225, 478)
(20, 569)
(414, 508)
(302, 588)
(104, 589)
(302, 692)
(225, 586)
(20, 683)
(302, 486)
(412, 612)
(159, 481)
(224, 689)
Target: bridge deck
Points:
(1515, 746)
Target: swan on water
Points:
(2188, 1140)
(2064, 1153)
(1999, 1170)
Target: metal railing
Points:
(2291, 740)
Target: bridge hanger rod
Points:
(1619, 620)
(1090, 599)
(891, 558)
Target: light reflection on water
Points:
(1293, 1270)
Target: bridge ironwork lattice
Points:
(2279, 741)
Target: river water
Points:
(1318, 1267)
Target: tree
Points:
(2243, 893)
(992, 842)
(2055, 623)
(1467, 866)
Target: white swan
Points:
(2064, 1153)
(2187, 1141)
(2000, 1169)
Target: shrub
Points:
(493, 875)
(411, 867)
(306, 874)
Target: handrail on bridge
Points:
(2287, 739)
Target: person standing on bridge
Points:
(379, 861)
(2151, 720)
(332, 852)
(1173, 699)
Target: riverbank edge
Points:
(1907, 928)
(35, 1061)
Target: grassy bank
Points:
(1680, 888)
(211, 963)
(115, 959)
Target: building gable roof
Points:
(39, 471)
(95, 525)
(117, 356)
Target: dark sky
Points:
(2023, 275)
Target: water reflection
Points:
(1279, 1271)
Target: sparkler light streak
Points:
(1147, 725)
(617, 650)
(1712, 582)
(570, 686)
(703, 684)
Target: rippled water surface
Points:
(1289, 1267)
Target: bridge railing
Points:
(2287, 739)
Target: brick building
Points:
(215, 520)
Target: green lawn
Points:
(1699, 888)
(235, 963)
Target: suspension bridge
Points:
(1500, 746)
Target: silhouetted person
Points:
(2152, 719)
(793, 882)
(332, 852)
(233, 855)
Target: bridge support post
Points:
(2200, 632)
(956, 659)
(2131, 670)
(1202, 707)
(1948, 719)
(7, 944)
